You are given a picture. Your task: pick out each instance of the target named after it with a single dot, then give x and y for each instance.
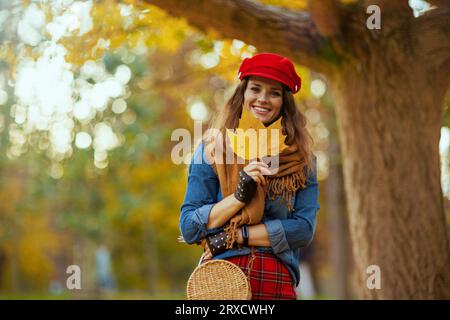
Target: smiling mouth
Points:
(261, 110)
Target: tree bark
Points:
(389, 86)
(390, 121)
(431, 33)
(389, 97)
(439, 3)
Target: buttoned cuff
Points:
(277, 235)
(201, 216)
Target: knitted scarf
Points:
(285, 182)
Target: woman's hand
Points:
(256, 170)
(207, 255)
(249, 177)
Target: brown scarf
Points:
(285, 183)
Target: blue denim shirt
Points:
(288, 231)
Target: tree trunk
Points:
(389, 112)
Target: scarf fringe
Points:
(285, 186)
(231, 231)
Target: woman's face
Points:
(264, 98)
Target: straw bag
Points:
(218, 280)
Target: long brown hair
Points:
(293, 123)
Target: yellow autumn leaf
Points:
(252, 140)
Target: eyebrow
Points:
(258, 85)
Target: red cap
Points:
(272, 66)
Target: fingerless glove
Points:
(217, 243)
(246, 187)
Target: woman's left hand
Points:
(207, 255)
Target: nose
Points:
(262, 98)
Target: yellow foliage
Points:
(295, 4)
(7, 54)
(151, 188)
(37, 246)
(291, 4)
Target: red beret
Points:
(272, 66)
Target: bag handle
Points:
(250, 263)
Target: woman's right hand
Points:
(249, 177)
(256, 170)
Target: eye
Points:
(276, 93)
(255, 89)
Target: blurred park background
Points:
(90, 93)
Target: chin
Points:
(263, 119)
(266, 119)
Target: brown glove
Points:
(217, 243)
(246, 187)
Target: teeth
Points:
(261, 109)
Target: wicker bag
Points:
(218, 280)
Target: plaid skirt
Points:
(269, 277)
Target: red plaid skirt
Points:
(269, 277)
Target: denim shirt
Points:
(288, 231)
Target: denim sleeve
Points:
(298, 230)
(201, 195)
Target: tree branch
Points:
(325, 14)
(389, 5)
(431, 32)
(290, 33)
(391, 8)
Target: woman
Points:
(244, 211)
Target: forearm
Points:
(223, 211)
(258, 236)
(246, 188)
